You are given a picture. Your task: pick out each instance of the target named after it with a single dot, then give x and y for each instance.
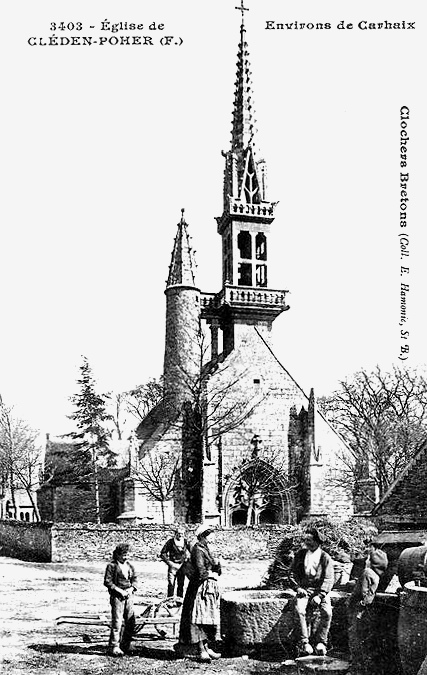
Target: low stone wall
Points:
(61, 542)
(27, 541)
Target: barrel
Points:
(412, 628)
(411, 561)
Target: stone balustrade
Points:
(236, 295)
(263, 210)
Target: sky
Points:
(103, 145)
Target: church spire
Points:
(246, 299)
(182, 265)
(245, 176)
(243, 112)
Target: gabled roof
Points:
(309, 398)
(419, 454)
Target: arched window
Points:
(245, 274)
(261, 275)
(261, 246)
(244, 243)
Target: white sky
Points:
(102, 146)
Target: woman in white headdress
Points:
(200, 610)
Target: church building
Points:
(235, 435)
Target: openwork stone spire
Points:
(243, 132)
(182, 266)
(245, 176)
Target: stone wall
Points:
(96, 542)
(254, 380)
(27, 541)
(62, 542)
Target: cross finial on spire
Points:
(242, 9)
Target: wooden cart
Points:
(162, 616)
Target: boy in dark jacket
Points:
(362, 623)
(120, 579)
(312, 576)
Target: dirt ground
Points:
(33, 595)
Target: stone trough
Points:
(263, 619)
(254, 618)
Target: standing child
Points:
(120, 579)
(363, 622)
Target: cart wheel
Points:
(169, 608)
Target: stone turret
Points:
(182, 359)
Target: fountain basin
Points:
(253, 618)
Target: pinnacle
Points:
(182, 266)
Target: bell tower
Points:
(244, 226)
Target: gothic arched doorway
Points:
(258, 494)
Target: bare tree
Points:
(215, 404)
(200, 413)
(156, 474)
(116, 406)
(262, 483)
(383, 418)
(20, 456)
(143, 398)
(216, 409)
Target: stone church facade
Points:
(250, 445)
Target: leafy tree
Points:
(92, 437)
(383, 418)
(20, 456)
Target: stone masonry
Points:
(235, 411)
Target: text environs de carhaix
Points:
(341, 25)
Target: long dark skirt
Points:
(191, 633)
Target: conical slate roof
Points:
(182, 266)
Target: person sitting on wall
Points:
(174, 553)
(312, 577)
(120, 579)
(362, 625)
